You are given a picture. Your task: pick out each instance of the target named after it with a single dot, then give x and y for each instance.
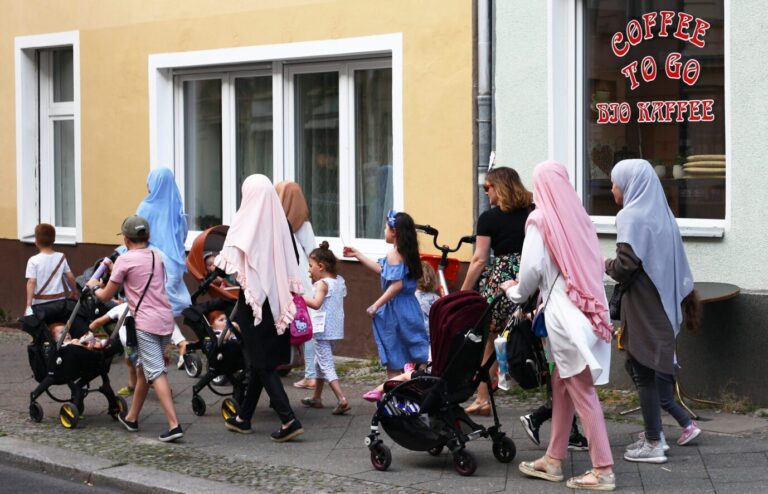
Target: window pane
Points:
(64, 172)
(202, 153)
(253, 114)
(373, 151)
(673, 100)
(63, 83)
(317, 148)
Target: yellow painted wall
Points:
(116, 38)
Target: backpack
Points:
(526, 361)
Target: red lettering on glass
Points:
(684, 21)
(672, 65)
(697, 38)
(694, 115)
(615, 42)
(707, 113)
(666, 21)
(691, 71)
(649, 21)
(629, 72)
(643, 108)
(634, 32)
(648, 68)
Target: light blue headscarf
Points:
(164, 211)
(647, 224)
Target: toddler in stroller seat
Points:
(218, 338)
(425, 413)
(54, 362)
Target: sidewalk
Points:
(731, 455)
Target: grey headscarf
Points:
(649, 227)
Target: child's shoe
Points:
(342, 408)
(311, 403)
(689, 434)
(125, 391)
(373, 395)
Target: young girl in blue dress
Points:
(398, 324)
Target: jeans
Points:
(665, 384)
(650, 405)
(309, 360)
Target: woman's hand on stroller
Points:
(506, 285)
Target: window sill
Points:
(695, 228)
(61, 239)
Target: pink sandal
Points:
(373, 395)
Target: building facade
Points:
(591, 82)
(368, 105)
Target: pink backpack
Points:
(301, 327)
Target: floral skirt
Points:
(502, 268)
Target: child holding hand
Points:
(327, 323)
(398, 323)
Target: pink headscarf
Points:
(260, 250)
(571, 238)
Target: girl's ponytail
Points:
(408, 244)
(692, 312)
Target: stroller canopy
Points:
(211, 240)
(450, 315)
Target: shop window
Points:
(334, 121)
(48, 134)
(653, 88)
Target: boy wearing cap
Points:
(141, 272)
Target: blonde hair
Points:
(510, 189)
(428, 281)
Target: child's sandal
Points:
(342, 408)
(311, 403)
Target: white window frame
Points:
(34, 186)
(283, 57)
(566, 135)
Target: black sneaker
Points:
(531, 428)
(287, 433)
(236, 426)
(172, 435)
(130, 426)
(577, 442)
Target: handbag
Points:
(539, 325)
(614, 305)
(301, 327)
(526, 362)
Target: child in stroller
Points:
(75, 365)
(425, 413)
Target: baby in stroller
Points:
(68, 354)
(424, 413)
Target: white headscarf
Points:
(259, 248)
(649, 227)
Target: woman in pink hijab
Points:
(259, 249)
(561, 258)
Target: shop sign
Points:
(662, 24)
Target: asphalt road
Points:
(18, 480)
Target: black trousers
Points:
(650, 405)
(262, 379)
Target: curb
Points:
(101, 472)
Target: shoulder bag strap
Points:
(48, 281)
(151, 274)
(550, 291)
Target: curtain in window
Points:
(202, 153)
(317, 148)
(253, 120)
(373, 151)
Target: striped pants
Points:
(577, 393)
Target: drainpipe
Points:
(484, 115)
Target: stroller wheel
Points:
(504, 450)
(193, 365)
(436, 450)
(36, 411)
(120, 406)
(69, 415)
(381, 457)
(198, 406)
(464, 462)
(229, 408)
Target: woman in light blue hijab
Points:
(652, 267)
(164, 211)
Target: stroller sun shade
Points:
(211, 240)
(449, 315)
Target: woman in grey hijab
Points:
(651, 263)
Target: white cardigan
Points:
(571, 342)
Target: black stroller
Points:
(53, 363)
(223, 354)
(425, 413)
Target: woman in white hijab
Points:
(652, 266)
(259, 248)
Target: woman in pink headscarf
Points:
(561, 258)
(259, 248)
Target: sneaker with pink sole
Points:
(689, 434)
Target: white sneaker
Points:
(641, 439)
(647, 453)
(180, 363)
